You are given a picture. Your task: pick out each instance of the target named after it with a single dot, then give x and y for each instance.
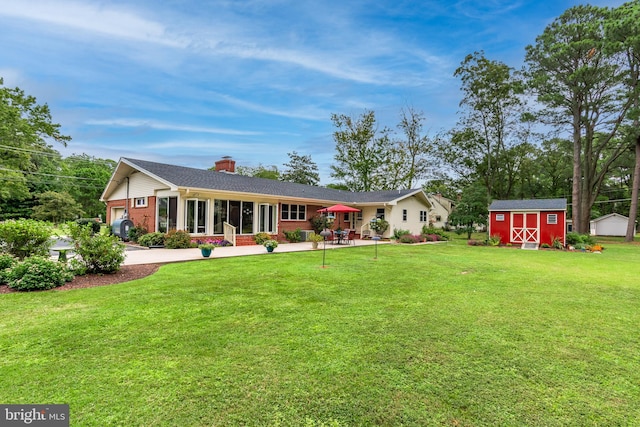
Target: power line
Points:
(49, 174)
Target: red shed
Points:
(529, 223)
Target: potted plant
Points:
(270, 245)
(206, 249)
(315, 239)
(378, 225)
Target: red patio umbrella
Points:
(338, 209)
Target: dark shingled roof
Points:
(529, 205)
(181, 176)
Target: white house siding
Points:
(140, 185)
(413, 206)
(609, 225)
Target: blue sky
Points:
(187, 82)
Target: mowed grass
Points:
(442, 334)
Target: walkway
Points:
(155, 256)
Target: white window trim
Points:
(555, 219)
(500, 217)
(134, 202)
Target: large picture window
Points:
(294, 212)
(167, 214)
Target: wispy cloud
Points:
(108, 20)
(158, 125)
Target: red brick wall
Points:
(145, 216)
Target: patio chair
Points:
(352, 236)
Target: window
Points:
(552, 218)
(267, 218)
(196, 216)
(140, 202)
(294, 212)
(167, 213)
(404, 215)
(499, 217)
(423, 216)
(380, 213)
(438, 218)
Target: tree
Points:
(85, 178)
(491, 124)
(360, 151)
(56, 207)
(623, 32)
(301, 169)
(579, 81)
(260, 171)
(25, 129)
(410, 156)
(471, 210)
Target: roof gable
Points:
(529, 205)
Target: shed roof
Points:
(529, 205)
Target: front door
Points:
(524, 227)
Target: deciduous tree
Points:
(301, 169)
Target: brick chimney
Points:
(226, 164)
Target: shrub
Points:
(151, 239)
(494, 240)
(556, 243)
(293, 236)
(545, 245)
(475, 243)
(398, 233)
(580, 239)
(7, 262)
(260, 238)
(37, 273)
(25, 237)
(379, 225)
(135, 233)
(99, 253)
(177, 239)
(319, 223)
(429, 229)
(408, 238)
(95, 226)
(433, 238)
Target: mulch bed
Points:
(126, 273)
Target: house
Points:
(529, 223)
(222, 204)
(441, 209)
(609, 225)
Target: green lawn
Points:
(443, 334)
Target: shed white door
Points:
(525, 227)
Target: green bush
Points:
(177, 239)
(429, 229)
(135, 233)
(98, 253)
(95, 226)
(294, 236)
(580, 239)
(25, 237)
(7, 262)
(494, 240)
(398, 233)
(260, 238)
(37, 273)
(152, 239)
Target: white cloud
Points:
(157, 125)
(90, 17)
